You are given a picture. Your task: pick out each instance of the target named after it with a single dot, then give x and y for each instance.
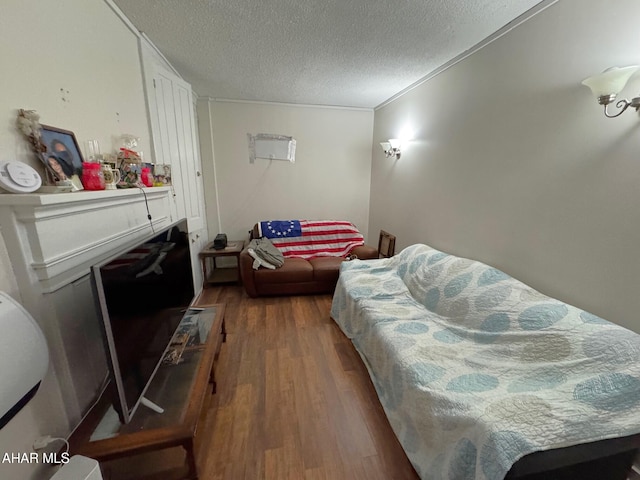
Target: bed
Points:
(484, 378)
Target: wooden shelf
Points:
(224, 275)
(36, 229)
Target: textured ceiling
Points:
(355, 53)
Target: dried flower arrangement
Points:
(29, 125)
(28, 122)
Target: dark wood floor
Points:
(294, 401)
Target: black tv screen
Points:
(142, 294)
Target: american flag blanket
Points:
(312, 238)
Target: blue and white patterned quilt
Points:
(475, 369)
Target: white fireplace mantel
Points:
(54, 239)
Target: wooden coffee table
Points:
(180, 389)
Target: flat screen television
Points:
(142, 294)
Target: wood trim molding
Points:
(54, 239)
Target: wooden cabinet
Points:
(175, 142)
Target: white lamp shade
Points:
(395, 142)
(611, 81)
(386, 146)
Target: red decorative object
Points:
(92, 176)
(146, 177)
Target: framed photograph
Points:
(63, 155)
(161, 174)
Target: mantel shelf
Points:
(58, 236)
(43, 199)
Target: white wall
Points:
(329, 179)
(514, 164)
(77, 64)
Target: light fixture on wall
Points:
(607, 85)
(391, 148)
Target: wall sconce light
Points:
(391, 148)
(607, 85)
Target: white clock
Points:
(18, 177)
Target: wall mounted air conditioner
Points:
(271, 147)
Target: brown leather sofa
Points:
(297, 275)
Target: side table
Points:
(214, 274)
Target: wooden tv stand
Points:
(179, 389)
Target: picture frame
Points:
(62, 155)
(161, 174)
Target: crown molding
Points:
(532, 12)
